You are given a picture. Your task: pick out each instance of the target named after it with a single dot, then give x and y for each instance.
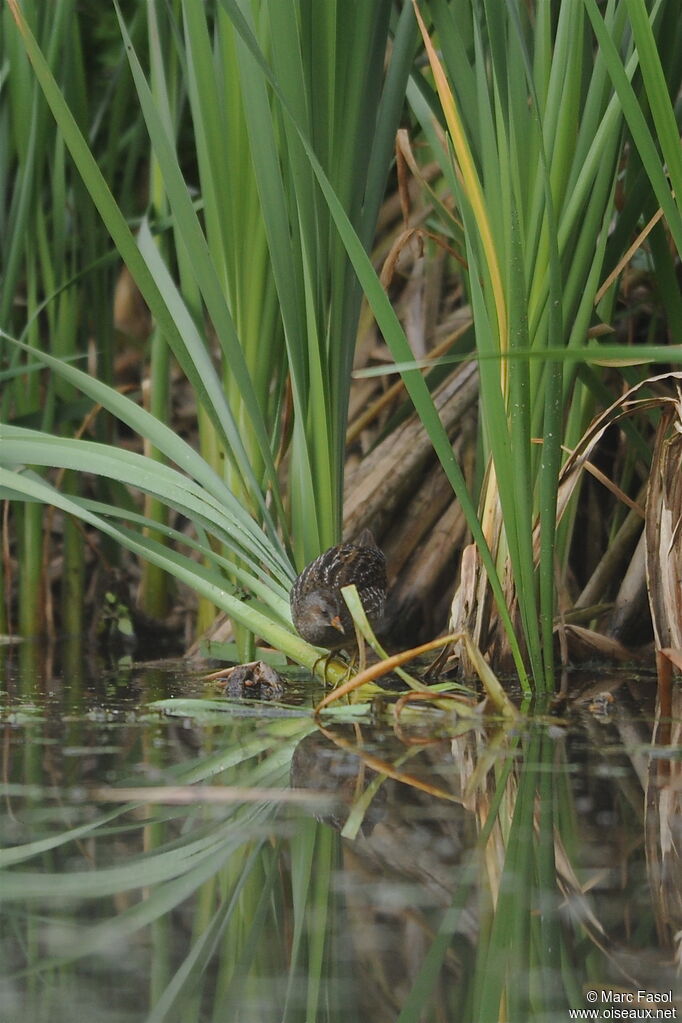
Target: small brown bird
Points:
(318, 609)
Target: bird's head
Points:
(319, 619)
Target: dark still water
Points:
(167, 854)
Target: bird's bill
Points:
(336, 622)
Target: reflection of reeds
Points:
(479, 877)
(533, 906)
(663, 822)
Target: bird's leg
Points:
(436, 666)
(325, 658)
(329, 656)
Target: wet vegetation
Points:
(272, 272)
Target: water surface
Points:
(168, 859)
